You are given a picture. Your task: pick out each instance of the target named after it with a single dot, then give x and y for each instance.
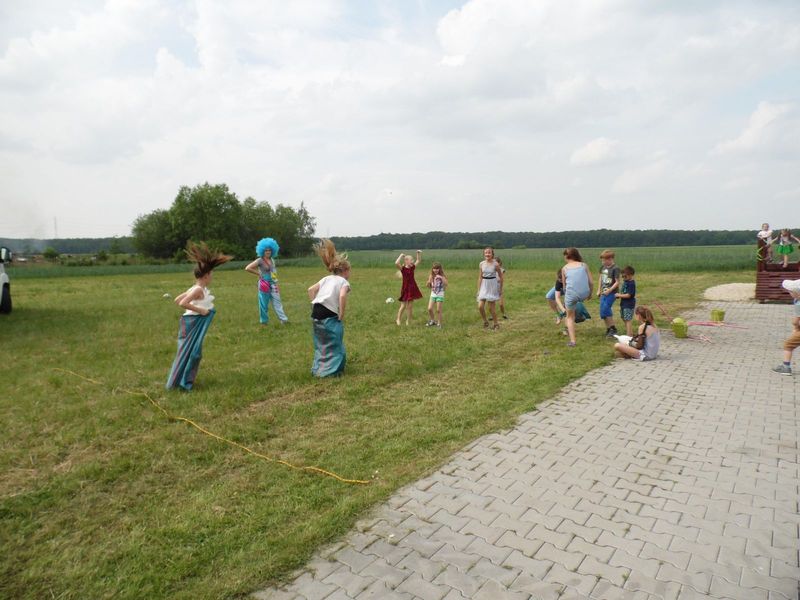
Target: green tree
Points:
(153, 235)
(206, 212)
(212, 213)
(50, 253)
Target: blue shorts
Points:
(551, 295)
(571, 299)
(606, 304)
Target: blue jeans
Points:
(606, 306)
(264, 299)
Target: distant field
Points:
(653, 259)
(102, 497)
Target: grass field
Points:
(101, 496)
(652, 259)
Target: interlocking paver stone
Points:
(684, 485)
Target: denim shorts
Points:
(606, 303)
(551, 295)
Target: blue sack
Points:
(581, 314)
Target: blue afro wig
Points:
(265, 244)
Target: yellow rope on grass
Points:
(219, 437)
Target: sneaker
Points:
(783, 369)
(496, 326)
(571, 344)
(486, 324)
(430, 323)
(505, 317)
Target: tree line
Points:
(212, 213)
(110, 245)
(594, 238)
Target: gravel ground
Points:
(731, 292)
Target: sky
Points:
(402, 116)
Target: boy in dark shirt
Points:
(627, 298)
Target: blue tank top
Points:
(577, 282)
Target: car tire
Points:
(5, 302)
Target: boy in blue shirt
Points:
(606, 290)
(627, 298)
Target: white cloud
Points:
(640, 178)
(332, 102)
(737, 183)
(771, 128)
(598, 151)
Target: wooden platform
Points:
(770, 276)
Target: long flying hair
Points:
(334, 263)
(207, 260)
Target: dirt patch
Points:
(731, 292)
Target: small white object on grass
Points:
(389, 300)
(166, 296)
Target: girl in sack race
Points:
(198, 303)
(264, 266)
(328, 303)
(646, 343)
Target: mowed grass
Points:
(667, 259)
(101, 496)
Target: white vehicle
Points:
(5, 284)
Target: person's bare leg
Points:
(493, 312)
(482, 310)
(571, 325)
(626, 351)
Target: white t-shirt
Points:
(207, 301)
(328, 294)
(766, 235)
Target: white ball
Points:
(389, 300)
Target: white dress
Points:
(490, 285)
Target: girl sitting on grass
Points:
(199, 304)
(652, 338)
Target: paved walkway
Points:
(672, 479)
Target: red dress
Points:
(410, 290)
